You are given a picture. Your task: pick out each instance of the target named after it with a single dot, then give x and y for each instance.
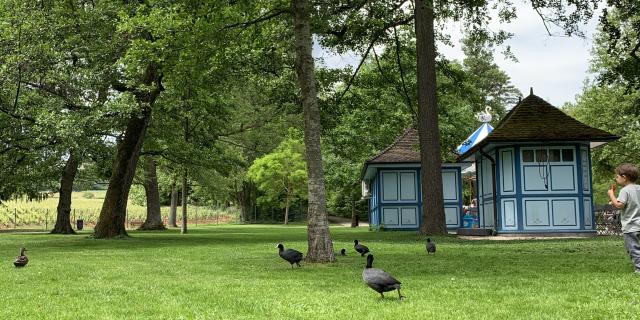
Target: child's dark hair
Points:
(629, 171)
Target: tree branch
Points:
(404, 86)
(544, 21)
(353, 76)
(267, 16)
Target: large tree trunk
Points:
(433, 221)
(111, 222)
(246, 198)
(174, 206)
(63, 219)
(154, 219)
(320, 247)
(183, 226)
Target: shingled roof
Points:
(534, 119)
(404, 150)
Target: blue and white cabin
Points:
(391, 181)
(536, 166)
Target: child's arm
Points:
(614, 200)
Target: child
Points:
(629, 201)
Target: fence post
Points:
(15, 218)
(46, 220)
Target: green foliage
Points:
(614, 109)
(617, 45)
(281, 176)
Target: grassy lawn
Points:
(234, 272)
(87, 205)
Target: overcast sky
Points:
(554, 66)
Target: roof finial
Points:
(531, 91)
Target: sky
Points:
(555, 67)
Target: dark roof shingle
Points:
(404, 150)
(534, 119)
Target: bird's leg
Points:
(401, 297)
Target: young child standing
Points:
(629, 201)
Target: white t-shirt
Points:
(630, 218)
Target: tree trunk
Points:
(154, 219)
(174, 205)
(63, 219)
(354, 215)
(183, 226)
(320, 247)
(111, 222)
(246, 199)
(286, 209)
(433, 221)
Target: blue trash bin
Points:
(468, 220)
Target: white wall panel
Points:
(507, 173)
(588, 212)
(536, 213)
(389, 186)
(451, 216)
(408, 186)
(509, 214)
(409, 216)
(390, 216)
(562, 178)
(534, 178)
(564, 212)
(450, 185)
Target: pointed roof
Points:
(404, 150)
(534, 119)
(475, 138)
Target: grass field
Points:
(87, 205)
(234, 272)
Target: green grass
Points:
(33, 214)
(234, 272)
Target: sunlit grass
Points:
(234, 272)
(86, 205)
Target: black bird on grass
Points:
(431, 246)
(291, 255)
(362, 250)
(22, 259)
(379, 280)
(343, 252)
